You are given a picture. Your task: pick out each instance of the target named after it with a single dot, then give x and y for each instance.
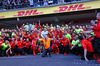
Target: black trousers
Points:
(0, 52)
(75, 50)
(89, 56)
(25, 49)
(3, 52)
(14, 50)
(96, 45)
(45, 52)
(60, 48)
(80, 50)
(65, 49)
(29, 51)
(21, 51)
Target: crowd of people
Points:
(46, 39)
(14, 4)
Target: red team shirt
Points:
(55, 33)
(26, 36)
(50, 34)
(60, 34)
(27, 44)
(90, 39)
(87, 45)
(1, 42)
(97, 30)
(54, 41)
(30, 38)
(12, 44)
(20, 44)
(34, 42)
(65, 41)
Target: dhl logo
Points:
(2, 16)
(27, 13)
(72, 8)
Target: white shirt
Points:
(31, 2)
(43, 33)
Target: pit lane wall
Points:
(51, 10)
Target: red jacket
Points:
(65, 42)
(12, 44)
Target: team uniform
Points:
(20, 48)
(34, 46)
(4, 48)
(13, 48)
(46, 46)
(26, 46)
(78, 50)
(1, 42)
(55, 46)
(90, 50)
(65, 42)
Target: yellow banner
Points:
(51, 10)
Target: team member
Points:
(7, 37)
(44, 32)
(88, 48)
(6, 47)
(67, 35)
(78, 50)
(34, 45)
(46, 42)
(20, 47)
(13, 47)
(1, 42)
(65, 42)
(55, 46)
(75, 49)
(26, 45)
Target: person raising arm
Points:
(47, 45)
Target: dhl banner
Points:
(51, 10)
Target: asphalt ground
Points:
(55, 60)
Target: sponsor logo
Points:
(72, 8)
(2, 16)
(27, 13)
